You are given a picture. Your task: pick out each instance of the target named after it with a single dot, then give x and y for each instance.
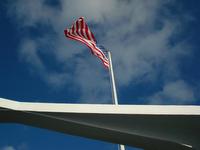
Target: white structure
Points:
(152, 127)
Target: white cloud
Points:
(32, 13)
(29, 53)
(93, 84)
(177, 92)
(93, 10)
(135, 31)
(22, 146)
(7, 148)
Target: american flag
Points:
(81, 32)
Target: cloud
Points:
(93, 10)
(32, 13)
(94, 86)
(30, 53)
(7, 148)
(177, 92)
(22, 146)
(137, 32)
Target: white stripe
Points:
(70, 31)
(75, 29)
(84, 33)
(79, 30)
(90, 35)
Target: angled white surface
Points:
(150, 127)
(101, 108)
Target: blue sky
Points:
(155, 48)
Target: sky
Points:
(155, 52)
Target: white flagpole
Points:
(113, 87)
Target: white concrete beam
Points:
(146, 126)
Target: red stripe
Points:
(72, 29)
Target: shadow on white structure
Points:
(151, 127)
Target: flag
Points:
(81, 32)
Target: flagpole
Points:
(113, 87)
(112, 80)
